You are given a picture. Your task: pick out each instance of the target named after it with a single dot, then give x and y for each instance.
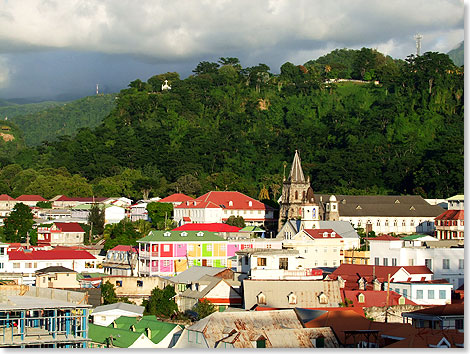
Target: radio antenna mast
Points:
(97, 85)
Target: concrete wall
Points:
(394, 312)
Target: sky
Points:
(52, 48)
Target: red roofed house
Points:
(218, 206)
(318, 247)
(28, 261)
(30, 199)
(6, 204)
(60, 234)
(213, 227)
(450, 224)
(370, 298)
(176, 199)
(121, 260)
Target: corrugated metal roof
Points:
(195, 273)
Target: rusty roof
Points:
(280, 329)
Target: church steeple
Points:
(296, 174)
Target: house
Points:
(60, 234)
(374, 298)
(28, 260)
(218, 206)
(445, 258)
(356, 257)
(33, 317)
(134, 332)
(106, 314)
(186, 279)
(30, 199)
(135, 288)
(170, 252)
(138, 211)
(363, 277)
(56, 277)
(62, 201)
(220, 292)
(176, 199)
(253, 329)
(7, 203)
(449, 316)
(427, 292)
(291, 293)
(275, 264)
(113, 214)
(319, 247)
(221, 229)
(450, 224)
(121, 260)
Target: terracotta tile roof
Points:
(6, 197)
(30, 198)
(124, 248)
(451, 215)
(176, 197)
(319, 233)
(195, 204)
(61, 254)
(239, 200)
(213, 227)
(69, 226)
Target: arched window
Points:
(361, 298)
(261, 299)
(401, 300)
(292, 298)
(323, 298)
(296, 195)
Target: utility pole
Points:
(388, 297)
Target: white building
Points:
(106, 314)
(445, 260)
(431, 292)
(450, 224)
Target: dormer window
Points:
(412, 208)
(397, 201)
(184, 234)
(292, 298)
(333, 234)
(358, 207)
(250, 203)
(401, 300)
(361, 298)
(261, 299)
(325, 234)
(200, 234)
(194, 203)
(323, 298)
(230, 203)
(167, 234)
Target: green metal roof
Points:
(252, 229)
(412, 237)
(159, 329)
(180, 236)
(122, 338)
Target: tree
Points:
(160, 214)
(161, 303)
(237, 221)
(18, 223)
(204, 308)
(108, 294)
(44, 205)
(96, 219)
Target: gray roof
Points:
(16, 302)
(342, 228)
(120, 306)
(209, 281)
(55, 269)
(268, 251)
(383, 205)
(195, 273)
(296, 173)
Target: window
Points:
(459, 324)
(261, 343)
(166, 248)
(412, 222)
(200, 234)
(397, 290)
(140, 283)
(403, 223)
(323, 298)
(395, 223)
(386, 222)
(361, 298)
(118, 283)
(261, 262)
(283, 263)
(419, 294)
(320, 342)
(198, 337)
(411, 262)
(428, 263)
(376, 260)
(461, 263)
(16, 265)
(209, 247)
(166, 263)
(167, 234)
(401, 300)
(430, 294)
(191, 247)
(405, 292)
(394, 262)
(378, 222)
(442, 294)
(292, 298)
(385, 261)
(445, 264)
(184, 234)
(261, 299)
(223, 247)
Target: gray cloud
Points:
(180, 33)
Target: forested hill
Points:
(458, 54)
(232, 128)
(49, 120)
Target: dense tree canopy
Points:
(232, 128)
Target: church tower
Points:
(310, 209)
(294, 191)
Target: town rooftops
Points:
(373, 298)
(122, 338)
(175, 198)
(438, 311)
(195, 273)
(124, 248)
(232, 200)
(30, 198)
(26, 255)
(6, 197)
(321, 233)
(120, 306)
(424, 338)
(54, 269)
(24, 302)
(69, 226)
(212, 227)
(180, 236)
(451, 215)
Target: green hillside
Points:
(49, 120)
(457, 55)
(10, 109)
(232, 128)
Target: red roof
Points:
(186, 218)
(212, 227)
(50, 254)
(124, 248)
(64, 198)
(319, 233)
(451, 215)
(6, 197)
(175, 198)
(194, 204)
(373, 298)
(30, 198)
(239, 201)
(383, 238)
(69, 226)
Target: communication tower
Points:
(418, 38)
